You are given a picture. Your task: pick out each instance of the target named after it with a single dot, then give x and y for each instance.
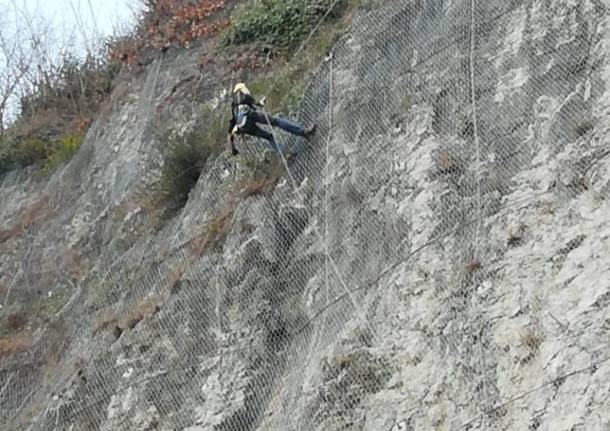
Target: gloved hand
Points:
(262, 101)
(231, 143)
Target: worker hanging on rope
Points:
(245, 120)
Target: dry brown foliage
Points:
(41, 122)
(8, 234)
(37, 212)
(530, 338)
(217, 229)
(257, 186)
(472, 266)
(446, 163)
(74, 264)
(170, 22)
(10, 346)
(16, 322)
(141, 310)
(174, 278)
(105, 319)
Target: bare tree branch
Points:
(16, 61)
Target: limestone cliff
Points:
(438, 257)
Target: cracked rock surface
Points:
(436, 258)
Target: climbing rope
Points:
(322, 238)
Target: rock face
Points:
(437, 257)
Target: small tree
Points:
(20, 52)
(15, 62)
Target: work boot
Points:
(291, 155)
(309, 131)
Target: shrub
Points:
(29, 216)
(55, 109)
(169, 22)
(16, 322)
(63, 150)
(530, 338)
(447, 163)
(172, 21)
(5, 162)
(10, 346)
(60, 103)
(18, 154)
(72, 88)
(281, 23)
(285, 86)
(216, 231)
(262, 177)
(185, 156)
(144, 309)
(174, 279)
(284, 90)
(584, 128)
(183, 167)
(9, 234)
(27, 152)
(258, 186)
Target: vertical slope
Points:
(437, 258)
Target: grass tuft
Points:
(10, 346)
(185, 156)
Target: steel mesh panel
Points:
(458, 173)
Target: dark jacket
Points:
(240, 98)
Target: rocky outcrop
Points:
(436, 258)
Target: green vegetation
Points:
(584, 128)
(21, 153)
(63, 100)
(217, 230)
(280, 23)
(286, 83)
(63, 150)
(258, 176)
(72, 89)
(283, 24)
(185, 156)
(45, 309)
(54, 113)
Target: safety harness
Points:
(242, 107)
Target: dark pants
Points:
(255, 118)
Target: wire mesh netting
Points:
(435, 258)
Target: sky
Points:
(85, 18)
(103, 14)
(75, 27)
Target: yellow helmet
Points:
(241, 87)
